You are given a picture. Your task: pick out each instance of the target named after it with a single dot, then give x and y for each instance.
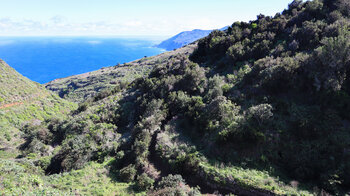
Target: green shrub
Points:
(128, 173)
(261, 112)
(236, 52)
(44, 162)
(143, 182)
(7, 136)
(74, 154)
(172, 181)
(333, 62)
(254, 26)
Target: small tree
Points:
(128, 173)
(144, 182)
(333, 60)
(261, 112)
(295, 4)
(344, 6)
(171, 181)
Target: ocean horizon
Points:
(46, 58)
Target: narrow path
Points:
(10, 105)
(25, 100)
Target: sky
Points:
(126, 17)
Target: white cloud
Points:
(94, 42)
(58, 19)
(59, 25)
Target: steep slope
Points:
(15, 87)
(81, 87)
(21, 101)
(260, 109)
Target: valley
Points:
(261, 108)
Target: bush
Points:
(128, 173)
(332, 62)
(314, 6)
(174, 185)
(82, 107)
(44, 162)
(144, 182)
(261, 112)
(171, 181)
(215, 87)
(295, 4)
(76, 152)
(194, 80)
(344, 7)
(236, 52)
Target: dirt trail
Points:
(10, 105)
(28, 99)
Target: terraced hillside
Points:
(78, 88)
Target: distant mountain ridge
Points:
(184, 38)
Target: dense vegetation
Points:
(260, 109)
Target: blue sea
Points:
(43, 59)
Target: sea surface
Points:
(43, 59)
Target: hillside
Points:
(16, 88)
(78, 88)
(25, 103)
(259, 109)
(21, 101)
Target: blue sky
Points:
(126, 17)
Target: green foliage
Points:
(174, 185)
(25, 101)
(333, 60)
(296, 4)
(93, 179)
(216, 173)
(254, 25)
(314, 6)
(143, 182)
(18, 180)
(343, 6)
(236, 51)
(128, 173)
(170, 181)
(260, 113)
